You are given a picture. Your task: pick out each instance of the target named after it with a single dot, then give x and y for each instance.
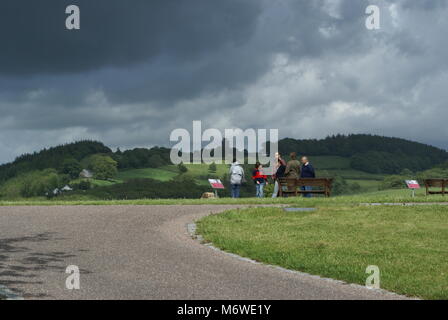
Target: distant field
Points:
(157, 174)
(351, 174)
(330, 162)
(202, 169)
(96, 182)
(366, 185)
(326, 166)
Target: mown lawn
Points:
(408, 244)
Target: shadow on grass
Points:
(21, 265)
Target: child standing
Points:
(260, 180)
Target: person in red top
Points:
(260, 180)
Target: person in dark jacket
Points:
(307, 172)
(279, 172)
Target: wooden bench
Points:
(436, 183)
(289, 186)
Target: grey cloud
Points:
(309, 68)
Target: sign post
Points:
(216, 185)
(413, 185)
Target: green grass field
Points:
(408, 244)
(326, 166)
(165, 173)
(366, 185)
(157, 174)
(96, 182)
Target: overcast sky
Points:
(139, 69)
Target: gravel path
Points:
(139, 252)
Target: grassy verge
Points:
(408, 244)
(388, 196)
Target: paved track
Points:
(138, 252)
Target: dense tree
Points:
(143, 158)
(71, 167)
(407, 173)
(155, 161)
(150, 189)
(393, 182)
(212, 168)
(340, 186)
(103, 167)
(435, 173)
(182, 168)
(83, 185)
(32, 184)
(370, 153)
(51, 158)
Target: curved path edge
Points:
(141, 252)
(302, 285)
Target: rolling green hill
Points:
(359, 163)
(370, 153)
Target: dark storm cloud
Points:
(150, 50)
(117, 32)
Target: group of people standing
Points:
(293, 169)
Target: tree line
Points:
(71, 158)
(371, 153)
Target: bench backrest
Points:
(315, 182)
(436, 182)
(289, 183)
(292, 183)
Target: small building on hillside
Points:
(86, 174)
